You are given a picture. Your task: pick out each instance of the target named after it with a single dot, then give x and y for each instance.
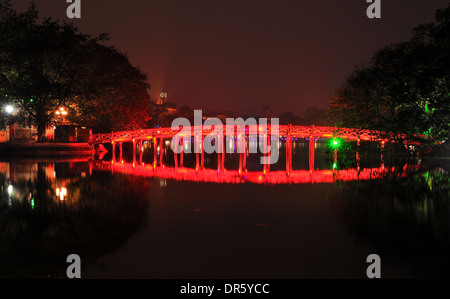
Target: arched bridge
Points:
(284, 132)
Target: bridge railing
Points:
(283, 131)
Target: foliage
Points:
(405, 89)
(44, 66)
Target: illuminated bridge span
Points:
(287, 133)
(237, 177)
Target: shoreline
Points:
(48, 149)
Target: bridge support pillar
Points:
(197, 151)
(244, 162)
(113, 151)
(223, 153)
(182, 152)
(288, 154)
(141, 151)
(312, 149)
(161, 152)
(242, 151)
(267, 147)
(134, 151)
(155, 152)
(220, 152)
(121, 151)
(358, 157)
(175, 155)
(203, 152)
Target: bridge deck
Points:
(283, 132)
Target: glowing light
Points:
(61, 193)
(9, 109)
(10, 189)
(32, 203)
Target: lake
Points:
(133, 219)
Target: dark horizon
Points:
(237, 56)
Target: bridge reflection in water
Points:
(157, 141)
(258, 177)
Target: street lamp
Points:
(61, 112)
(9, 109)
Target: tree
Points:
(405, 89)
(44, 66)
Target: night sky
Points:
(241, 54)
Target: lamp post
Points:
(62, 113)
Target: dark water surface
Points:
(133, 226)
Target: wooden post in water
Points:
(120, 148)
(220, 148)
(288, 154)
(241, 151)
(203, 152)
(141, 151)
(155, 151)
(246, 146)
(175, 155)
(197, 150)
(358, 158)
(161, 152)
(134, 151)
(182, 151)
(113, 151)
(312, 149)
(269, 149)
(222, 167)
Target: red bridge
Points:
(287, 133)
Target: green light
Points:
(335, 143)
(334, 165)
(31, 100)
(32, 203)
